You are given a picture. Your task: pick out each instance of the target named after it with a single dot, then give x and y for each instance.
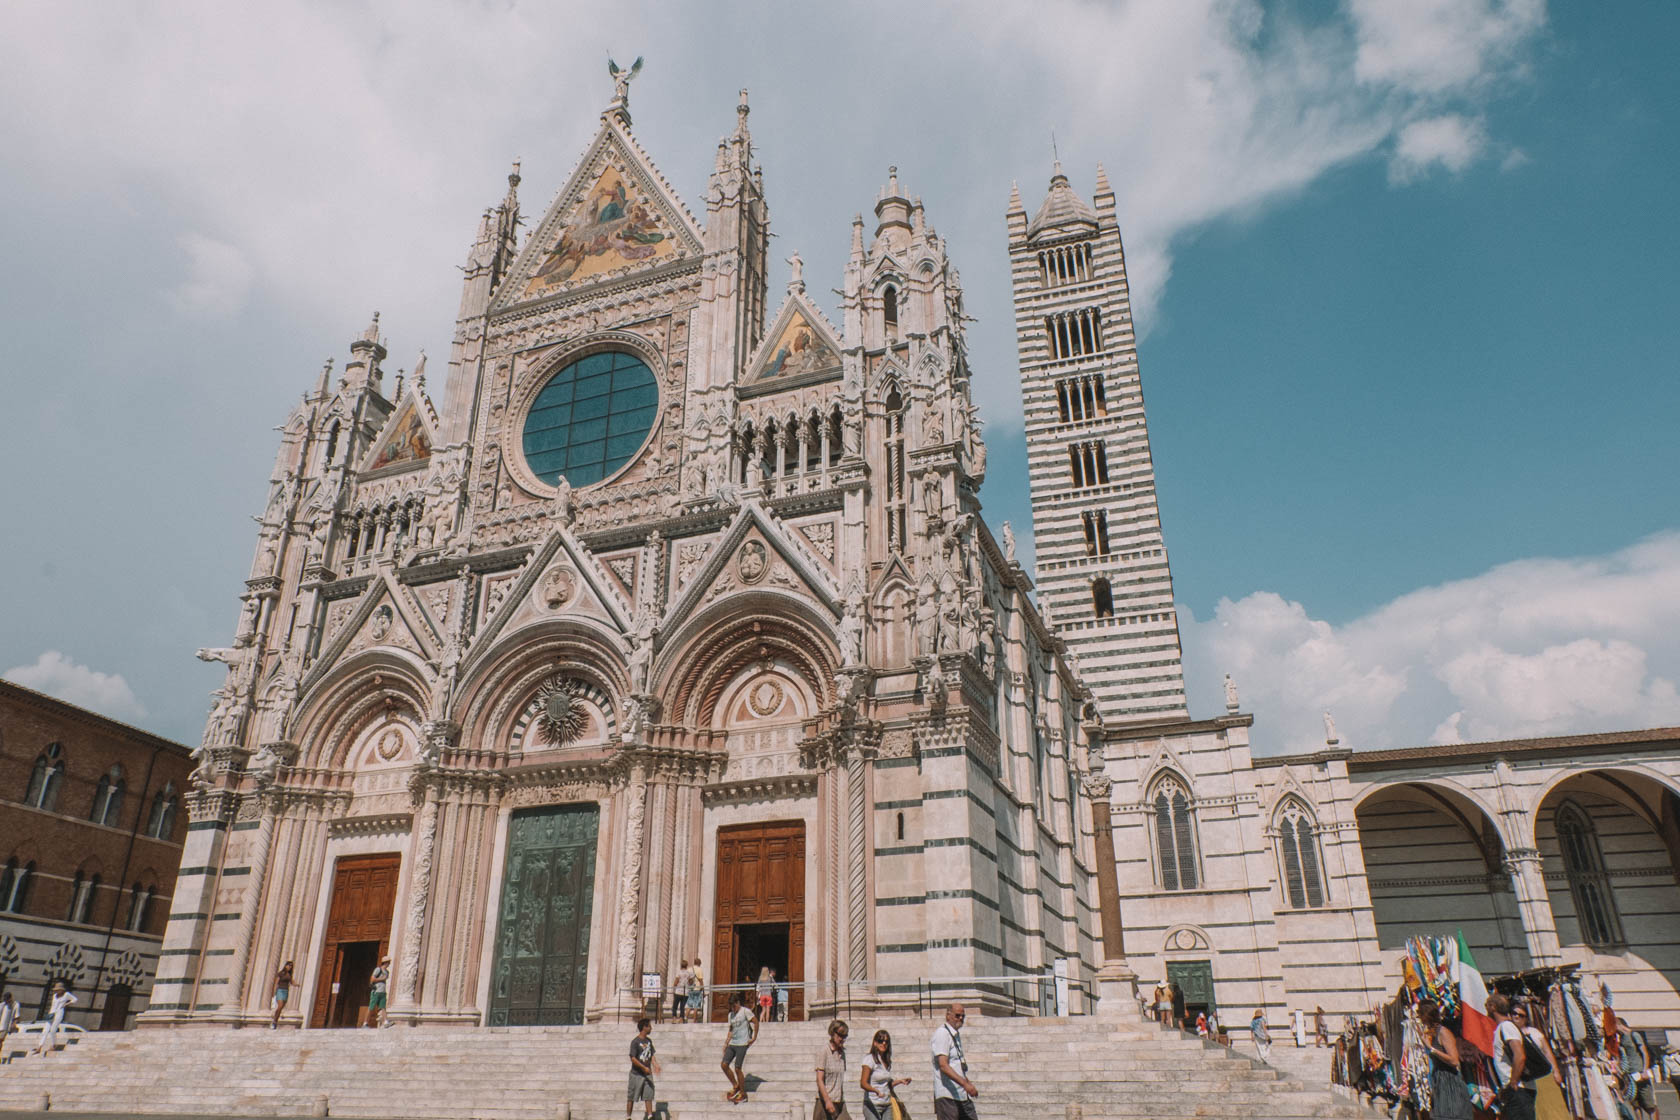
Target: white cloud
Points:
(218, 279)
(57, 675)
(1451, 141)
(1435, 46)
(1535, 647)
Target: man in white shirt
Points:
(1517, 1092)
(953, 1092)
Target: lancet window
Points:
(1074, 334)
(108, 797)
(1081, 398)
(1298, 857)
(46, 780)
(14, 886)
(1065, 264)
(1088, 462)
(139, 906)
(1589, 884)
(1095, 523)
(1175, 836)
(160, 822)
(81, 898)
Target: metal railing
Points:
(1015, 994)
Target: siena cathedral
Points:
(675, 633)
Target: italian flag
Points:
(1472, 998)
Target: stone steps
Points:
(1026, 1069)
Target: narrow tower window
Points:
(1102, 598)
(896, 515)
(889, 310)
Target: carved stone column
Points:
(857, 868)
(1535, 905)
(419, 897)
(238, 999)
(630, 885)
(1116, 982)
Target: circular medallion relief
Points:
(752, 562)
(764, 698)
(380, 624)
(389, 745)
(558, 587)
(590, 418)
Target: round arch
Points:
(359, 689)
(1622, 782)
(499, 685)
(707, 652)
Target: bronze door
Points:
(364, 897)
(760, 909)
(541, 974)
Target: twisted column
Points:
(857, 868)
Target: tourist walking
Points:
(1511, 1063)
(696, 991)
(1549, 1101)
(643, 1065)
(766, 992)
(876, 1080)
(1261, 1036)
(781, 999)
(377, 992)
(1162, 1003)
(953, 1092)
(831, 1076)
(1176, 995)
(282, 993)
(1446, 1083)
(679, 991)
(742, 1033)
(8, 1016)
(1321, 1027)
(62, 998)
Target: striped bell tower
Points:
(1102, 572)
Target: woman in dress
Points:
(282, 993)
(1446, 1083)
(876, 1080)
(766, 992)
(1261, 1036)
(61, 999)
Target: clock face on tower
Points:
(590, 418)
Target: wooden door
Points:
(760, 881)
(364, 900)
(541, 973)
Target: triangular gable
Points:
(799, 343)
(893, 572)
(1165, 759)
(561, 544)
(406, 439)
(800, 557)
(622, 568)
(405, 627)
(615, 213)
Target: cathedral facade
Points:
(673, 634)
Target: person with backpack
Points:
(1518, 1063)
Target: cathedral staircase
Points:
(1027, 1069)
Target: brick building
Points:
(91, 830)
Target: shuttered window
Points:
(1589, 885)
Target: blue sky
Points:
(1405, 271)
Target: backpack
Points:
(1535, 1065)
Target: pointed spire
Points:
(741, 111)
(857, 237)
(323, 387)
(1102, 181)
(796, 280)
(1015, 199)
(372, 332)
